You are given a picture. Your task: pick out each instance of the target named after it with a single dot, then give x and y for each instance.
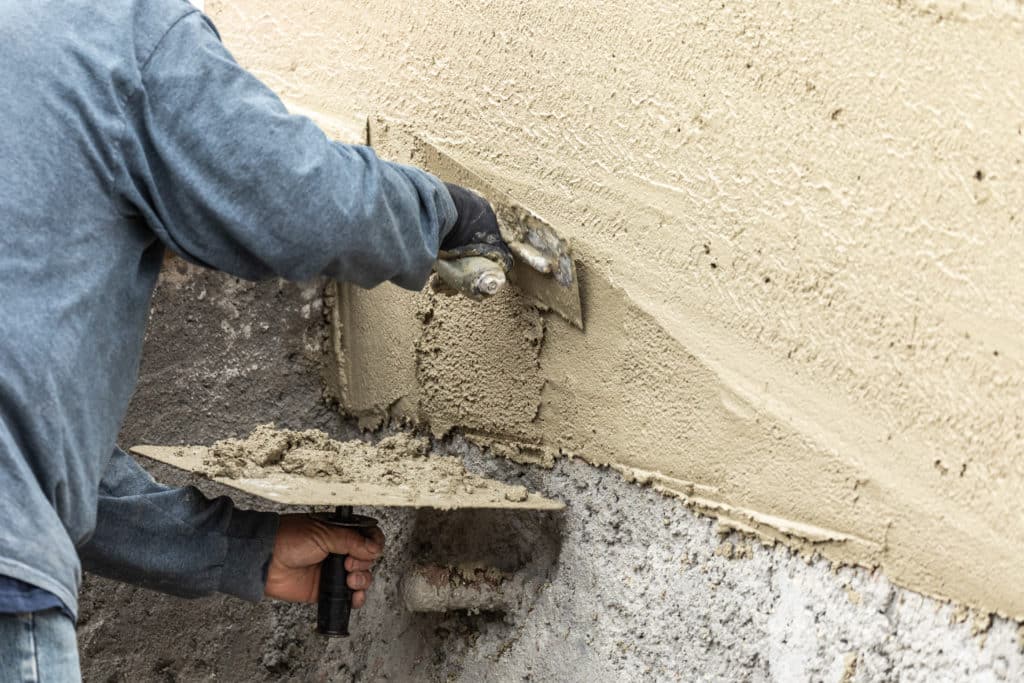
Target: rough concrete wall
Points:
(801, 228)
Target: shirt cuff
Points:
(250, 544)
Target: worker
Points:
(126, 128)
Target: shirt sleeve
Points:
(229, 179)
(176, 540)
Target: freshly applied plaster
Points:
(799, 228)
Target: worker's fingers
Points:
(345, 541)
(359, 581)
(354, 565)
(358, 599)
(375, 536)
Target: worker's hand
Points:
(476, 230)
(302, 543)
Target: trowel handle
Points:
(473, 276)
(335, 603)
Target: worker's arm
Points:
(227, 178)
(178, 541)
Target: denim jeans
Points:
(38, 647)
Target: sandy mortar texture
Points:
(402, 461)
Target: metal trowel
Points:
(544, 268)
(285, 488)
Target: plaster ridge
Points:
(742, 519)
(645, 477)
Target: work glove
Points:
(475, 232)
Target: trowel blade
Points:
(558, 290)
(297, 489)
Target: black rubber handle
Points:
(335, 603)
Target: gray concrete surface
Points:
(626, 585)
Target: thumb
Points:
(367, 545)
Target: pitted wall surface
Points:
(801, 226)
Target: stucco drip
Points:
(800, 228)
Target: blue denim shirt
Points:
(127, 128)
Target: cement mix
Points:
(310, 468)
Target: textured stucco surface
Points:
(800, 225)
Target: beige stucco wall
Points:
(801, 227)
